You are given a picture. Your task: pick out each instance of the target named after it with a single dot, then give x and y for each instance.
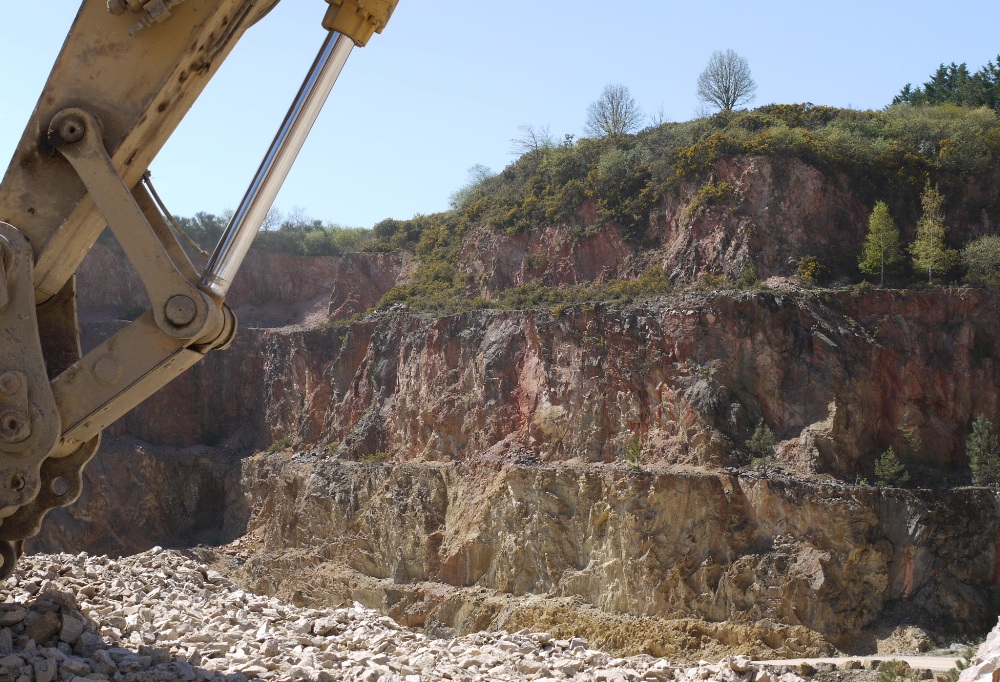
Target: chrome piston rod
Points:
(243, 227)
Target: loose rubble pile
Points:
(162, 616)
(985, 665)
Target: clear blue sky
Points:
(449, 82)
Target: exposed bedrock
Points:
(832, 558)
(834, 375)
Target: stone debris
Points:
(161, 616)
(985, 665)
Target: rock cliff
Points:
(271, 289)
(486, 451)
(835, 375)
(468, 471)
(772, 213)
(718, 547)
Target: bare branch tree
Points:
(531, 139)
(658, 118)
(726, 81)
(478, 175)
(615, 113)
(272, 220)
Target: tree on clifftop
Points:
(882, 247)
(929, 252)
(615, 113)
(726, 81)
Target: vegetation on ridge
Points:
(886, 156)
(954, 84)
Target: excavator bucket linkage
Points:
(127, 74)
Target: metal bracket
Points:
(358, 19)
(62, 483)
(180, 309)
(29, 419)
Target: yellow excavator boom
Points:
(127, 74)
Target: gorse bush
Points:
(550, 184)
(893, 671)
(633, 453)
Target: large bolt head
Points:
(67, 128)
(180, 310)
(10, 383)
(117, 7)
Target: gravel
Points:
(161, 615)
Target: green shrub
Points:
(891, 671)
(633, 453)
(761, 443)
(981, 260)
(952, 674)
(889, 471)
(710, 194)
(748, 277)
(621, 185)
(536, 261)
(374, 458)
(279, 445)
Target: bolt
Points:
(180, 310)
(10, 383)
(14, 427)
(116, 7)
(71, 130)
(67, 127)
(60, 486)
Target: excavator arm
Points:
(127, 74)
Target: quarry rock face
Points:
(711, 546)
(773, 212)
(838, 378)
(508, 468)
(137, 496)
(271, 289)
(487, 450)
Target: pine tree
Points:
(761, 443)
(882, 247)
(983, 452)
(889, 471)
(928, 250)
